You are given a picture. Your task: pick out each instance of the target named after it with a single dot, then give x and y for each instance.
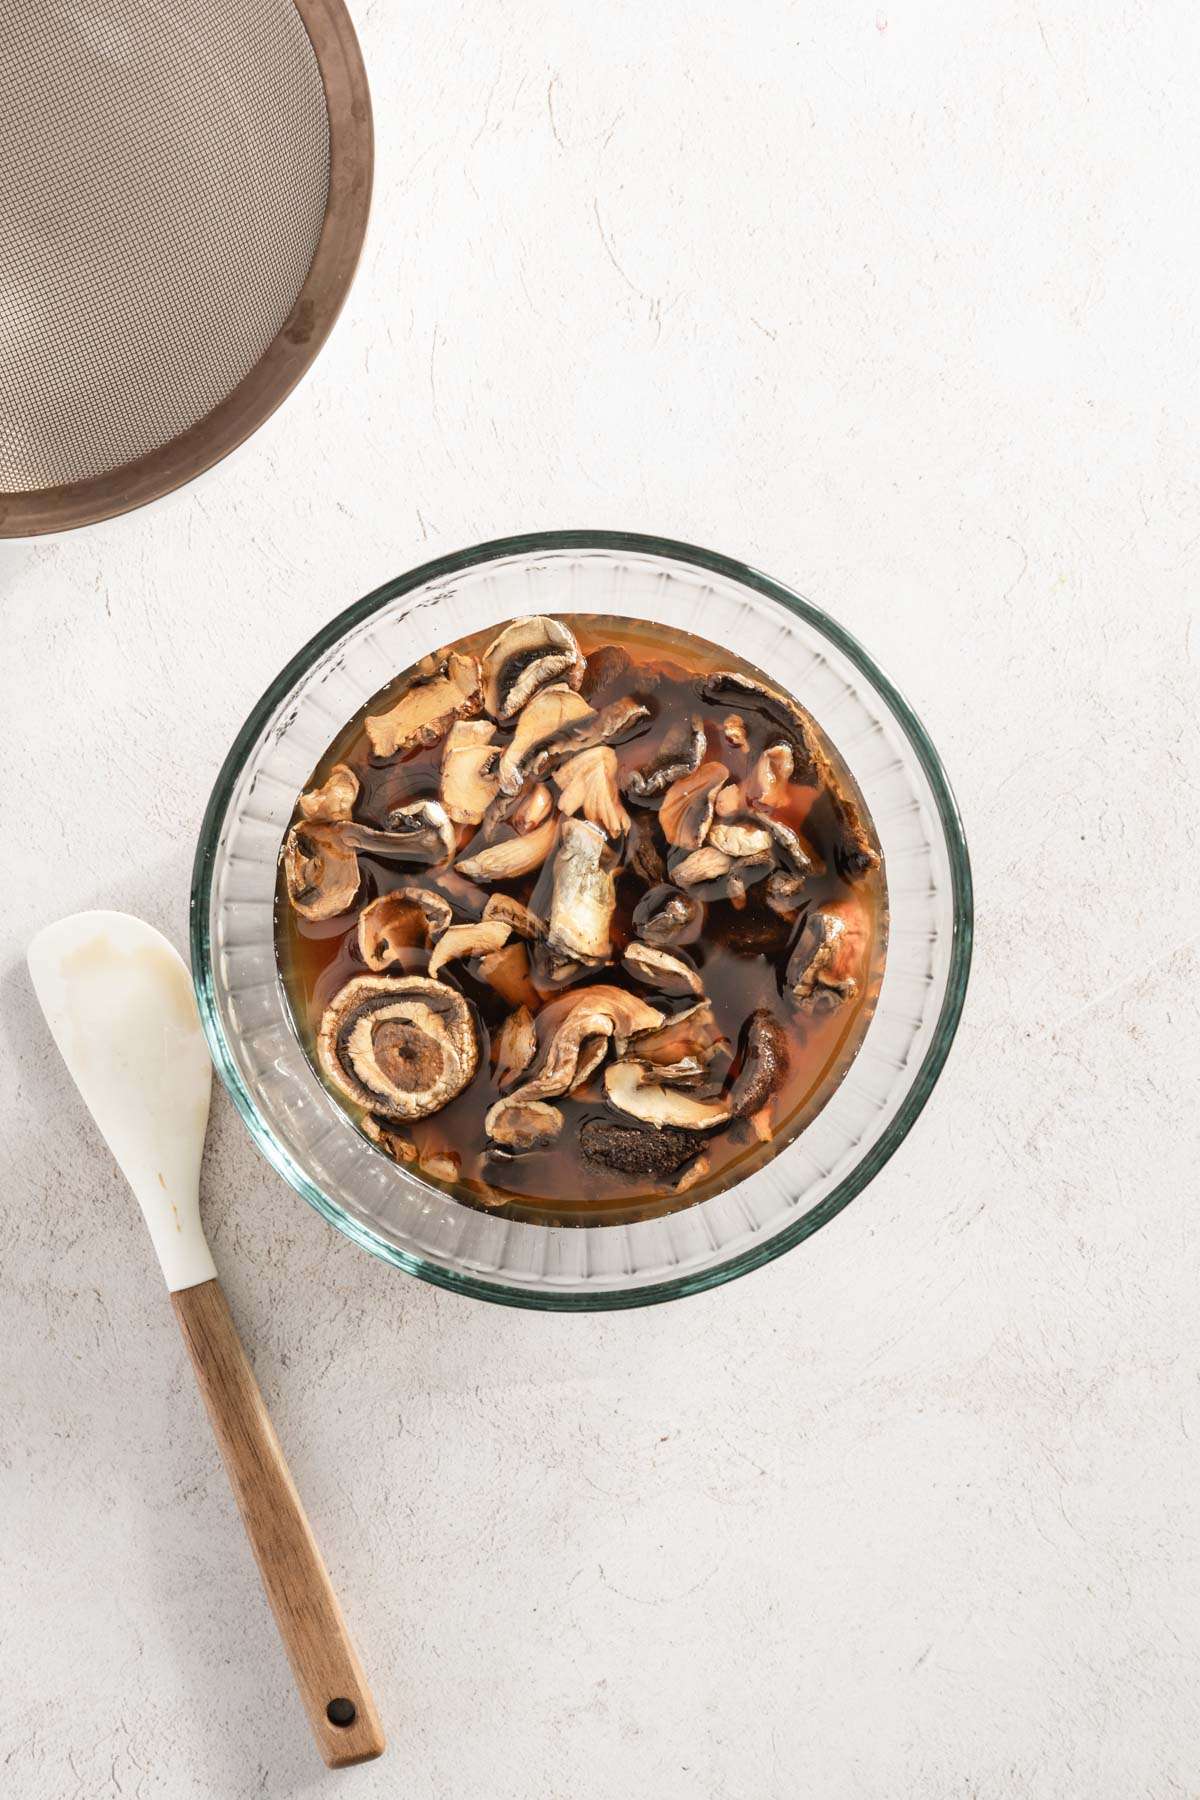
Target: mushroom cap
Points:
(663, 969)
(692, 1036)
(540, 722)
(469, 777)
(631, 1086)
(627, 1150)
(527, 655)
(400, 1046)
(447, 688)
(406, 917)
(320, 869)
(517, 1125)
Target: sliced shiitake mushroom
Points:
(475, 939)
(680, 753)
(588, 784)
(334, 799)
(829, 960)
(469, 774)
(634, 1088)
(765, 1059)
(400, 1046)
(407, 917)
(446, 688)
(666, 970)
(584, 895)
(321, 870)
(666, 916)
(605, 667)
(526, 656)
(538, 728)
(514, 857)
(514, 1046)
(687, 808)
(711, 874)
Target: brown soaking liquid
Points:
(741, 954)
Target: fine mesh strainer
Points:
(184, 188)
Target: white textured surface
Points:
(900, 304)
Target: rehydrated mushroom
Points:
(635, 1088)
(519, 1125)
(726, 687)
(533, 808)
(401, 1046)
(610, 724)
(408, 917)
(514, 1046)
(785, 892)
(469, 774)
(419, 832)
(711, 874)
(642, 852)
(584, 895)
(665, 916)
(575, 1035)
(767, 783)
(516, 916)
(689, 1036)
(687, 808)
(739, 838)
(394, 1143)
(507, 971)
(605, 667)
(334, 799)
(588, 784)
(446, 689)
(551, 973)
(475, 939)
(528, 655)
(441, 1165)
(514, 857)
(463, 895)
(321, 870)
(828, 962)
(733, 728)
(538, 728)
(663, 969)
(627, 1150)
(765, 1059)
(680, 753)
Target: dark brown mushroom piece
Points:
(642, 852)
(447, 688)
(321, 870)
(407, 918)
(764, 1064)
(680, 753)
(605, 668)
(829, 960)
(399, 1046)
(527, 656)
(514, 1046)
(785, 892)
(667, 916)
(655, 1156)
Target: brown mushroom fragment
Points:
(419, 832)
(507, 971)
(785, 892)
(575, 1036)
(588, 784)
(468, 940)
(680, 753)
(765, 1059)
(725, 687)
(447, 689)
(516, 916)
(690, 1036)
(633, 1087)
(334, 799)
(584, 895)
(642, 853)
(533, 808)
(469, 770)
(400, 1046)
(407, 918)
(733, 729)
(609, 725)
(321, 870)
(519, 1125)
(665, 916)
(514, 1046)
(767, 783)
(605, 667)
(441, 1165)
(662, 969)
(656, 1156)
(551, 973)
(464, 896)
(687, 808)
(737, 838)
(711, 874)
(538, 728)
(525, 657)
(829, 960)
(396, 1144)
(516, 856)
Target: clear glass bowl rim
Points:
(208, 850)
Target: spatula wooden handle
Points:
(328, 1673)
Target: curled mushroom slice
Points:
(575, 1032)
(665, 916)
(690, 1036)
(605, 667)
(514, 1046)
(767, 783)
(396, 1143)
(526, 656)
(420, 832)
(733, 729)
(321, 870)
(588, 784)
(584, 895)
(400, 1046)
(626, 1150)
(468, 940)
(533, 808)
(607, 726)
(739, 838)
(407, 917)
(765, 1059)
(680, 753)
(829, 961)
(514, 857)
(725, 687)
(463, 896)
(537, 729)
(516, 916)
(785, 892)
(519, 1125)
(631, 1087)
(447, 688)
(687, 809)
(711, 874)
(507, 971)
(469, 777)
(334, 799)
(663, 969)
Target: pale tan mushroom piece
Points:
(575, 1035)
(662, 969)
(692, 1035)
(632, 1088)
(526, 656)
(426, 710)
(702, 866)
(828, 965)
(514, 1046)
(532, 809)
(321, 870)
(514, 857)
(397, 1144)
(516, 915)
(739, 838)
(733, 727)
(507, 971)
(441, 1165)
(584, 895)
(475, 939)
(588, 784)
(687, 806)
(470, 780)
(769, 779)
(538, 725)
(334, 799)
(518, 1125)
(407, 918)
(401, 1046)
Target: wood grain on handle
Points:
(323, 1659)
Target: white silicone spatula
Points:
(119, 1003)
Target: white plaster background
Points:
(900, 303)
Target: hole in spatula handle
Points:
(341, 1712)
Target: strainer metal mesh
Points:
(164, 175)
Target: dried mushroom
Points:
(461, 941)
(389, 1138)
(526, 656)
(520, 1125)
(334, 799)
(400, 1046)
(680, 753)
(828, 962)
(587, 732)
(786, 892)
(655, 1156)
(690, 1036)
(441, 1165)
(516, 915)
(733, 729)
(765, 1061)
(516, 856)
(448, 689)
(662, 969)
(665, 916)
(642, 852)
(470, 780)
(533, 808)
(633, 1087)
(737, 837)
(588, 784)
(321, 871)
(419, 832)
(507, 971)
(768, 781)
(539, 727)
(584, 895)
(514, 1046)
(407, 918)
(687, 808)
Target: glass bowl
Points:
(417, 1227)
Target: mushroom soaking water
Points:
(582, 920)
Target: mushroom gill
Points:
(446, 689)
(408, 917)
(680, 753)
(526, 656)
(400, 1046)
(588, 784)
